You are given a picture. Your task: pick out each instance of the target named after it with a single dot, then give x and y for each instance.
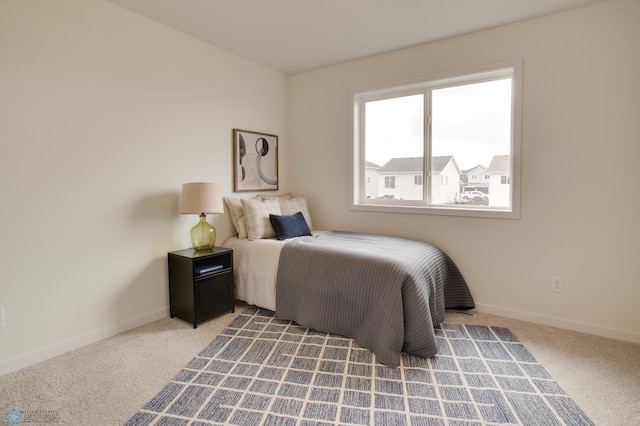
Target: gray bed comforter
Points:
(386, 293)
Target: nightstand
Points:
(200, 284)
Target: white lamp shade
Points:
(200, 197)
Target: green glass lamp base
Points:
(203, 235)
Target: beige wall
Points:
(103, 115)
(580, 151)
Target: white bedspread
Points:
(255, 265)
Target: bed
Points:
(386, 293)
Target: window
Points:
(389, 182)
(433, 132)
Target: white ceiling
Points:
(292, 36)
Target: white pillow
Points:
(295, 205)
(256, 213)
(237, 216)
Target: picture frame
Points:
(255, 161)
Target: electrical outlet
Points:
(1, 317)
(557, 285)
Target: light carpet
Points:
(262, 370)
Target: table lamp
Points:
(201, 198)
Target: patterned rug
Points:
(265, 371)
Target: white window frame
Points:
(359, 201)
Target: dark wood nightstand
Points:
(200, 284)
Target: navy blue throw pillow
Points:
(289, 226)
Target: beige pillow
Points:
(275, 197)
(256, 213)
(237, 216)
(295, 205)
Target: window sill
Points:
(466, 211)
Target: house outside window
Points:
(474, 179)
(436, 142)
(372, 176)
(403, 172)
(499, 179)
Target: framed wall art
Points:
(255, 161)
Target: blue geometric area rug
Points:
(262, 370)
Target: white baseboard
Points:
(79, 342)
(613, 333)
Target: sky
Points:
(472, 122)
